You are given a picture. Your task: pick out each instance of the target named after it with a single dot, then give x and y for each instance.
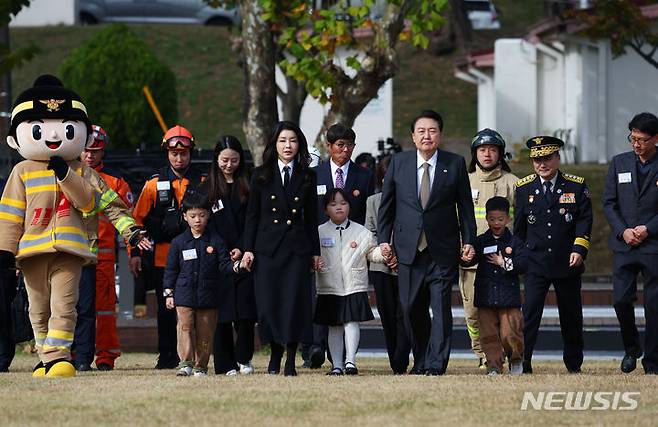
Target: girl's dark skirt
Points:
(334, 310)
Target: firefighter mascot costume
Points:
(41, 214)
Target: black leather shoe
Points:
(434, 373)
(651, 371)
(628, 364)
(527, 367)
(350, 369)
(416, 371)
(574, 370)
(289, 372)
(82, 367)
(104, 367)
(316, 357)
(273, 372)
(335, 372)
(167, 364)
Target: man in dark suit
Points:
(553, 216)
(339, 172)
(426, 204)
(630, 203)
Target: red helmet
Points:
(100, 138)
(178, 138)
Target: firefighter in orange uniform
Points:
(158, 211)
(107, 340)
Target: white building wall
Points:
(515, 83)
(47, 12)
(486, 101)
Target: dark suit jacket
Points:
(447, 218)
(359, 179)
(276, 219)
(626, 206)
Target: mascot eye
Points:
(70, 132)
(36, 132)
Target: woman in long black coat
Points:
(228, 191)
(281, 242)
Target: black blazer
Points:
(359, 186)
(448, 218)
(275, 218)
(553, 229)
(626, 206)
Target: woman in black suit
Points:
(228, 191)
(281, 242)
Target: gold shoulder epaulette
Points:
(528, 179)
(573, 178)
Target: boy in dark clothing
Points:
(196, 264)
(501, 257)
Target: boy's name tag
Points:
(490, 250)
(163, 185)
(327, 242)
(322, 190)
(218, 206)
(189, 254)
(624, 178)
(475, 193)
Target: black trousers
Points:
(84, 338)
(166, 318)
(626, 268)
(426, 284)
(227, 352)
(570, 310)
(7, 344)
(398, 344)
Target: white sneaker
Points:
(246, 369)
(200, 373)
(231, 373)
(185, 371)
(516, 368)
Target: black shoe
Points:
(167, 364)
(316, 357)
(527, 367)
(351, 369)
(398, 371)
(628, 364)
(651, 371)
(306, 364)
(83, 367)
(433, 373)
(335, 372)
(416, 371)
(574, 370)
(104, 367)
(272, 372)
(289, 371)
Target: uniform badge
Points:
(568, 198)
(587, 194)
(537, 191)
(356, 193)
(568, 217)
(52, 104)
(562, 211)
(531, 198)
(559, 190)
(531, 219)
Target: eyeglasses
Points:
(633, 140)
(342, 146)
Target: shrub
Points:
(109, 72)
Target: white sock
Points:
(336, 345)
(352, 337)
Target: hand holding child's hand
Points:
(468, 253)
(235, 254)
(169, 303)
(321, 264)
(392, 263)
(247, 261)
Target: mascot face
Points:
(43, 139)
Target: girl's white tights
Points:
(344, 338)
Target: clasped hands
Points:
(635, 236)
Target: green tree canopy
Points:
(109, 72)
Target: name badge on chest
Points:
(322, 190)
(327, 242)
(163, 185)
(624, 178)
(475, 193)
(490, 250)
(218, 206)
(189, 254)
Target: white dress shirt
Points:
(281, 166)
(419, 169)
(553, 181)
(335, 167)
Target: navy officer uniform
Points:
(553, 224)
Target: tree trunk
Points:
(292, 100)
(5, 110)
(259, 50)
(462, 25)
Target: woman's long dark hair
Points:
(217, 185)
(270, 155)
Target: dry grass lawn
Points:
(135, 394)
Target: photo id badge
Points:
(189, 254)
(490, 250)
(218, 206)
(163, 185)
(624, 178)
(327, 242)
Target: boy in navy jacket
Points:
(197, 262)
(501, 257)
